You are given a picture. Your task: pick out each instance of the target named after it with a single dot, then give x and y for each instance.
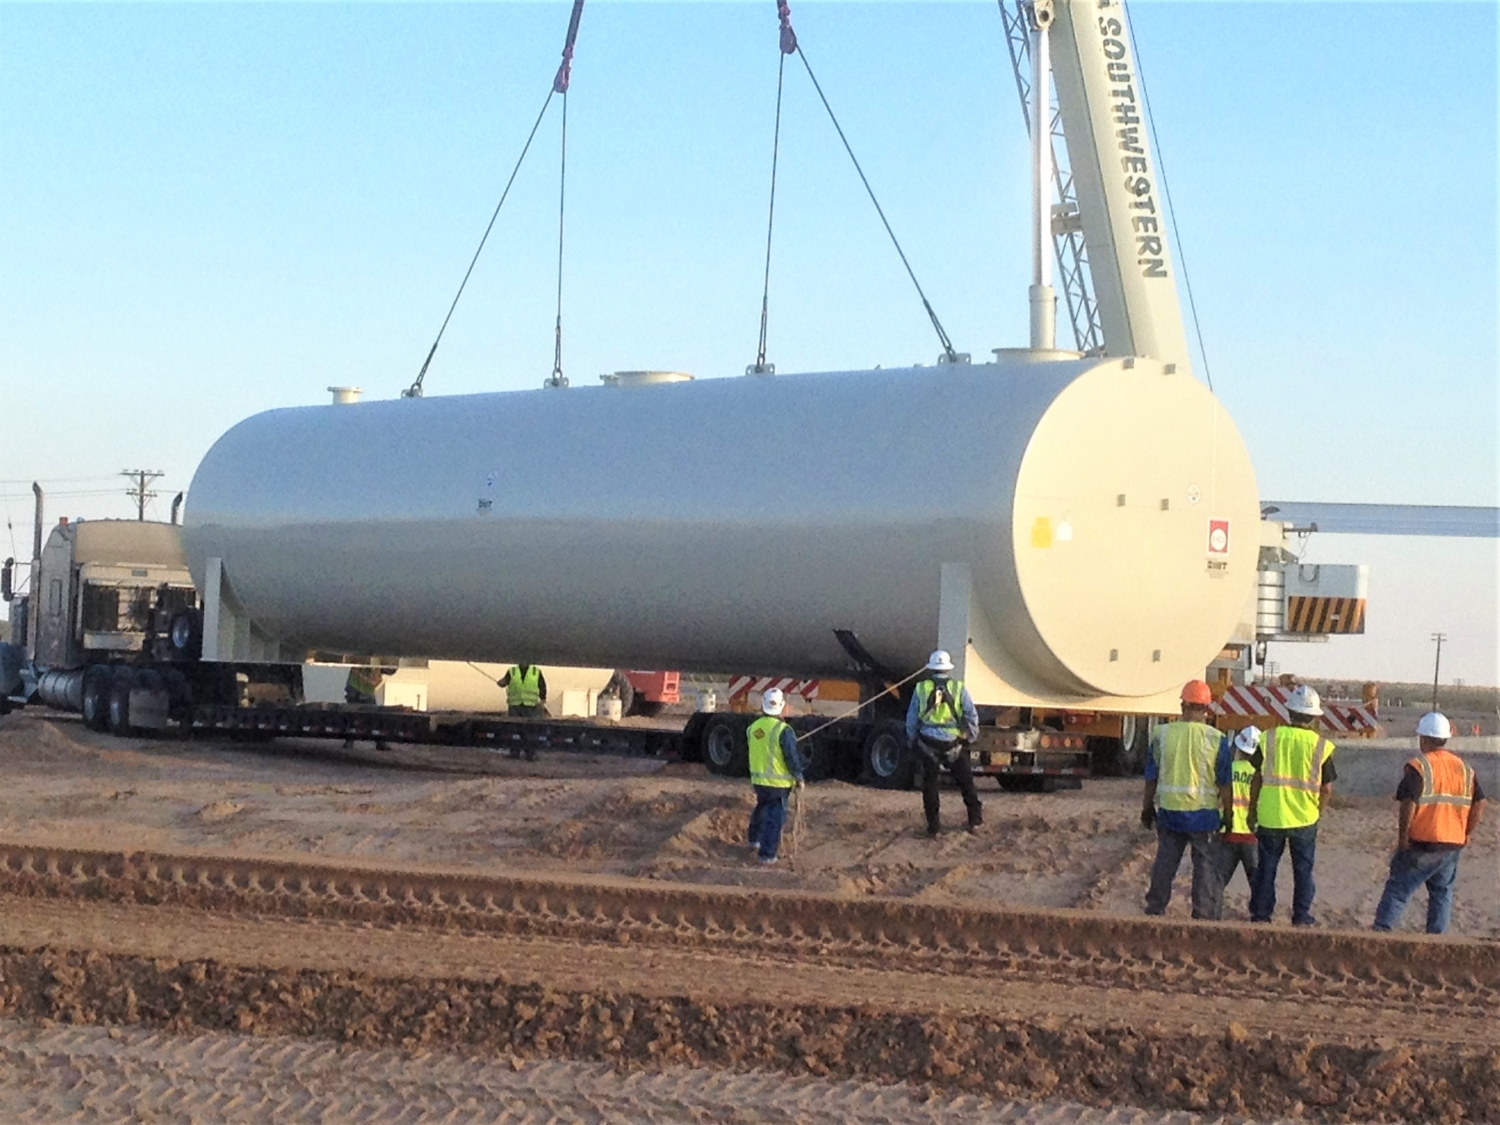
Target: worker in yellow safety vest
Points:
(941, 721)
(360, 688)
(361, 684)
(525, 698)
(1237, 845)
(1442, 804)
(1181, 801)
(775, 770)
(1292, 786)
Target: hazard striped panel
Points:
(741, 686)
(1263, 705)
(1320, 616)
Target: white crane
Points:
(1109, 226)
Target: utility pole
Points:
(1437, 662)
(140, 493)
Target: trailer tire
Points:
(118, 711)
(1133, 750)
(620, 684)
(186, 634)
(725, 751)
(886, 758)
(179, 695)
(96, 685)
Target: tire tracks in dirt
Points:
(1139, 953)
(982, 1057)
(66, 1075)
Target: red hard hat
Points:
(1196, 692)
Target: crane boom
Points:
(1117, 181)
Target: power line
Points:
(53, 493)
(54, 480)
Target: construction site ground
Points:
(297, 931)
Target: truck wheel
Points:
(826, 758)
(887, 758)
(620, 684)
(118, 711)
(724, 750)
(186, 635)
(179, 695)
(1135, 738)
(96, 684)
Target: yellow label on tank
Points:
(1041, 532)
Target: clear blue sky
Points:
(211, 210)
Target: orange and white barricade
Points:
(741, 688)
(1264, 705)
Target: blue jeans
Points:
(1208, 885)
(1409, 870)
(767, 819)
(1273, 841)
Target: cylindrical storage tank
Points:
(1105, 510)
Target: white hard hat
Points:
(773, 702)
(940, 661)
(1435, 725)
(1247, 740)
(1305, 701)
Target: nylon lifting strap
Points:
(948, 353)
(559, 85)
(788, 46)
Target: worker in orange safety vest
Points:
(1442, 804)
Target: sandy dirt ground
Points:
(647, 819)
(575, 815)
(87, 1075)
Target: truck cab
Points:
(106, 590)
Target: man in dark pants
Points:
(1293, 784)
(1181, 801)
(940, 722)
(775, 770)
(525, 698)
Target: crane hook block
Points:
(1042, 14)
(565, 71)
(788, 36)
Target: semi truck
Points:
(111, 627)
(1080, 528)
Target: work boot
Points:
(767, 861)
(974, 827)
(934, 831)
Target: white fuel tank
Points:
(1078, 533)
